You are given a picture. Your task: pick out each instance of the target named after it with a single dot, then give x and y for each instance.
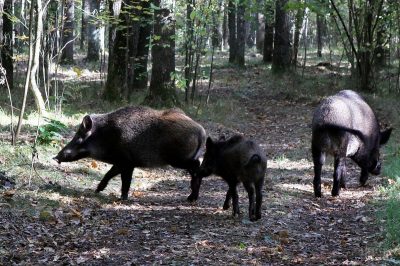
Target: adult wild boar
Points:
(237, 160)
(345, 126)
(138, 137)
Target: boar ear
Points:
(87, 123)
(209, 143)
(385, 135)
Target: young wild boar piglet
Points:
(138, 137)
(345, 126)
(237, 160)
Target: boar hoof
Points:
(335, 193)
(226, 206)
(318, 194)
(191, 198)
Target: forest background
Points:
(255, 67)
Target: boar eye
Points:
(79, 140)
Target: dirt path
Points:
(158, 226)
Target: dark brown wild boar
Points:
(345, 126)
(138, 137)
(237, 160)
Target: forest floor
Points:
(62, 221)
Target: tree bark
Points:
(115, 10)
(225, 29)
(281, 55)
(141, 76)
(241, 34)
(232, 31)
(67, 55)
(116, 82)
(93, 31)
(7, 42)
(269, 34)
(297, 28)
(85, 18)
(162, 88)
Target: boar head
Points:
(78, 147)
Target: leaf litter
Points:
(157, 226)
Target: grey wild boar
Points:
(237, 160)
(138, 137)
(345, 126)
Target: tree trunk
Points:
(67, 55)
(241, 34)
(269, 34)
(319, 34)
(190, 4)
(118, 62)
(281, 55)
(232, 30)
(297, 28)
(162, 88)
(7, 42)
(93, 31)
(133, 39)
(142, 55)
(85, 19)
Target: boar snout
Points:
(377, 169)
(56, 159)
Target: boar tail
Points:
(330, 127)
(255, 159)
(200, 140)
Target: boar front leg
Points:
(126, 178)
(110, 174)
(235, 198)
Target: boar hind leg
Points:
(337, 174)
(192, 166)
(318, 159)
(227, 203)
(110, 174)
(126, 178)
(249, 186)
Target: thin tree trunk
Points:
(190, 4)
(260, 34)
(319, 34)
(297, 28)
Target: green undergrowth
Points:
(391, 204)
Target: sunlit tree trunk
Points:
(260, 34)
(93, 31)
(85, 18)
